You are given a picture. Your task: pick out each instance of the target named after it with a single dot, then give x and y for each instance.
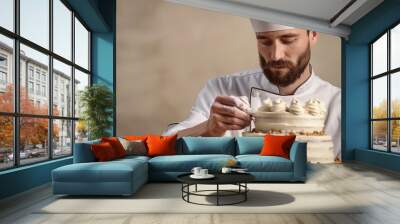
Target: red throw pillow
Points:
(103, 152)
(116, 145)
(161, 145)
(276, 145)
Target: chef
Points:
(285, 72)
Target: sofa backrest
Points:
(83, 152)
(206, 145)
(191, 146)
(249, 145)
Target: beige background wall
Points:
(166, 53)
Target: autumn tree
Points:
(81, 129)
(7, 99)
(6, 122)
(396, 123)
(6, 132)
(380, 127)
(33, 131)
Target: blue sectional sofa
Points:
(125, 176)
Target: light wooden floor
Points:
(379, 189)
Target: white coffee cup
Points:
(203, 172)
(226, 170)
(196, 170)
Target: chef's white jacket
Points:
(240, 84)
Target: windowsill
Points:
(381, 159)
(380, 152)
(17, 169)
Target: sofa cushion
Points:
(132, 158)
(249, 145)
(111, 171)
(161, 145)
(206, 145)
(185, 163)
(134, 147)
(277, 145)
(257, 163)
(103, 152)
(116, 145)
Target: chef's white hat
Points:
(262, 26)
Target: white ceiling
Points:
(321, 9)
(328, 16)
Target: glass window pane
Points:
(6, 74)
(395, 94)
(62, 138)
(62, 89)
(379, 55)
(81, 81)
(7, 14)
(379, 97)
(395, 47)
(34, 97)
(81, 45)
(81, 131)
(33, 139)
(62, 29)
(6, 142)
(35, 21)
(379, 135)
(395, 136)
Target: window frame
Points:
(16, 114)
(3, 77)
(388, 74)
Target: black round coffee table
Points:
(238, 179)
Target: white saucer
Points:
(208, 176)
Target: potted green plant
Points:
(96, 102)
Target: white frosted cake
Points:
(305, 120)
(275, 117)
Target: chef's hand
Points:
(225, 115)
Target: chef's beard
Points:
(280, 77)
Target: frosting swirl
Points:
(266, 105)
(314, 107)
(278, 106)
(295, 107)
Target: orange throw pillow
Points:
(161, 145)
(276, 145)
(135, 137)
(103, 152)
(116, 145)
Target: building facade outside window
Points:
(3, 78)
(3, 72)
(30, 87)
(56, 129)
